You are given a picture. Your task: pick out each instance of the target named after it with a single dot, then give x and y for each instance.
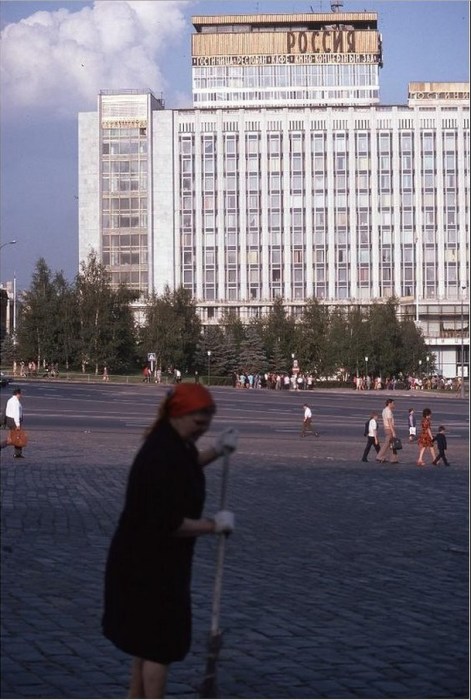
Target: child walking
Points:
(412, 425)
(440, 440)
(372, 436)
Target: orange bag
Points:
(18, 437)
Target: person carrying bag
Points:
(14, 419)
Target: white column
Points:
(419, 233)
(308, 231)
(374, 216)
(198, 222)
(439, 209)
(463, 222)
(287, 203)
(352, 240)
(330, 233)
(164, 223)
(220, 292)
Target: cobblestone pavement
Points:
(342, 579)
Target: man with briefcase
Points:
(14, 419)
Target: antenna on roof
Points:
(335, 5)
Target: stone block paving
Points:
(343, 580)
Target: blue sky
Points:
(56, 55)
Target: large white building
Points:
(287, 178)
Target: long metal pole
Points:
(14, 307)
(209, 687)
(462, 349)
(417, 279)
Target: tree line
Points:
(87, 324)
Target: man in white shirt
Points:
(389, 433)
(307, 421)
(14, 417)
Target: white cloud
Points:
(56, 62)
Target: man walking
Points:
(14, 417)
(307, 421)
(389, 433)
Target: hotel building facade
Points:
(287, 178)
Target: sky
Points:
(56, 55)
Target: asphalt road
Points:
(343, 579)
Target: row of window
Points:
(319, 289)
(340, 218)
(293, 76)
(276, 97)
(426, 165)
(319, 143)
(320, 256)
(124, 257)
(117, 221)
(125, 166)
(134, 279)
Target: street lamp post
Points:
(209, 367)
(366, 363)
(12, 242)
(428, 359)
(7, 243)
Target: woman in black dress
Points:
(147, 606)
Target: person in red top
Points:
(147, 599)
(425, 440)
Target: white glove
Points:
(227, 441)
(224, 522)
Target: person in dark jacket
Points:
(440, 440)
(147, 599)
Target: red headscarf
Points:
(188, 398)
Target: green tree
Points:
(312, 336)
(252, 356)
(413, 349)
(38, 324)
(278, 361)
(278, 333)
(172, 329)
(106, 335)
(385, 356)
(212, 340)
(69, 326)
(337, 357)
(8, 350)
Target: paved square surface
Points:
(342, 579)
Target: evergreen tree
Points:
(172, 330)
(211, 340)
(39, 318)
(278, 331)
(106, 324)
(312, 334)
(252, 357)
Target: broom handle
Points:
(209, 685)
(220, 551)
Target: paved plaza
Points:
(342, 580)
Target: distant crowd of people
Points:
(283, 381)
(411, 382)
(32, 369)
